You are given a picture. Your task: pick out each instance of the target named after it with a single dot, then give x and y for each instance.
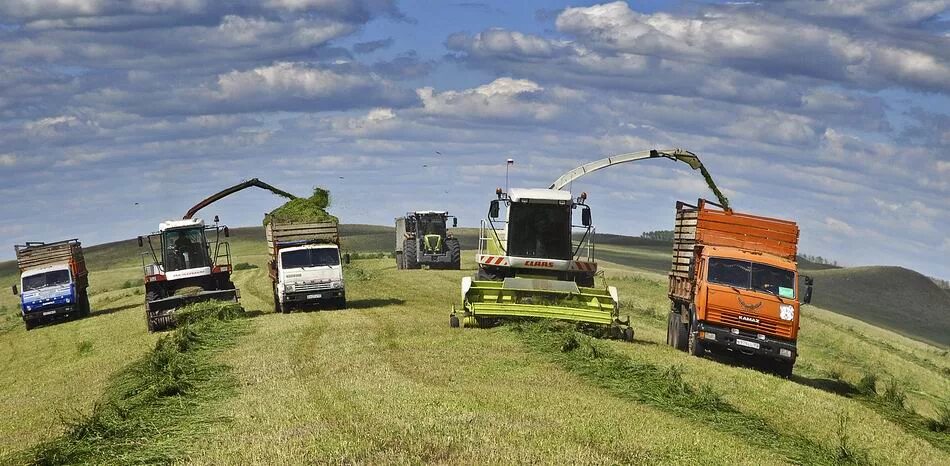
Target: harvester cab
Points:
(185, 267)
(535, 262)
(422, 239)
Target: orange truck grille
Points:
(765, 325)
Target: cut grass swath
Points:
(664, 388)
(156, 404)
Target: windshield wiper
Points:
(771, 293)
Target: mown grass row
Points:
(159, 402)
(665, 388)
(891, 404)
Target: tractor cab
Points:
(431, 227)
(538, 232)
(185, 248)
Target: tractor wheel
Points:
(695, 344)
(628, 334)
(409, 254)
(454, 250)
(454, 321)
(399, 259)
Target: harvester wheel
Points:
(409, 254)
(628, 334)
(454, 250)
(454, 321)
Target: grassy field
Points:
(388, 381)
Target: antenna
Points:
(509, 164)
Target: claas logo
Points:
(538, 264)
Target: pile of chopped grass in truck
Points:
(304, 209)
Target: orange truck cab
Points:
(734, 285)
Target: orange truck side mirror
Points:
(806, 298)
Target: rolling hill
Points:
(387, 381)
(891, 297)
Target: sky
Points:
(118, 114)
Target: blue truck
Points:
(54, 281)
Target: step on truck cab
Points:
(306, 266)
(734, 285)
(53, 281)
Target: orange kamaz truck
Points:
(734, 285)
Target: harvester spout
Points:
(682, 155)
(253, 182)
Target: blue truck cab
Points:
(53, 282)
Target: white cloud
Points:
(839, 226)
(759, 41)
(293, 78)
(502, 100)
(7, 160)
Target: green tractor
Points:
(422, 239)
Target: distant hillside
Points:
(891, 297)
(805, 264)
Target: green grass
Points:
(387, 381)
(890, 297)
(665, 388)
(158, 402)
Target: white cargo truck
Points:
(306, 266)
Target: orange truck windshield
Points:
(752, 276)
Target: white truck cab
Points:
(306, 266)
(310, 274)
